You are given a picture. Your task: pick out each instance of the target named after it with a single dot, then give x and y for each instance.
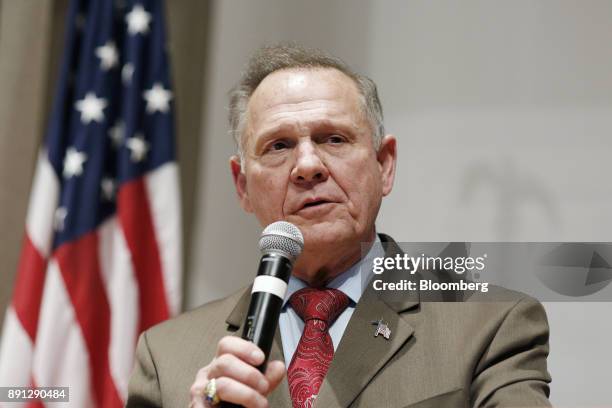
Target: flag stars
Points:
(108, 54)
(117, 133)
(158, 98)
(138, 147)
(108, 186)
(91, 108)
(73, 162)
(126, 73)
(138, 20)
(59, 218)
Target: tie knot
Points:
(321, 304)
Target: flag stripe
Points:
(122, 293)
(36, 404)
(163, 191)
(29, 287)
(60, 353)
(79, 264)
(15, 342)
(135, 220)
(42, 205)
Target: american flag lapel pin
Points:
(382, 328)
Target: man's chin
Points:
(324, 233)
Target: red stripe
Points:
(29, 287)
(80, 267)
(34, 403)
(136, 221)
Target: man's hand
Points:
(237, 379)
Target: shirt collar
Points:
(352, 281)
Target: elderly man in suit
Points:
(312, 151)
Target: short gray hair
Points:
(269, 59)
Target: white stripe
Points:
(164, 197)
(60, 354)
(270, 284)
(42, 205)
(122, 294)
(15, 352)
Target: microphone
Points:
(280, 244)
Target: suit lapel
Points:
(237, 315)
(360, 355)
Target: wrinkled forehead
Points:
(293, 85)
(285, 91)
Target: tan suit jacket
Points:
(488, 350)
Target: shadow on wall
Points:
(512, 189)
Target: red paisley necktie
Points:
(318, 308)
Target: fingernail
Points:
(257, 355)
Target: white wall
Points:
(503, 112)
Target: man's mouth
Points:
(315, 207)
(315, 203)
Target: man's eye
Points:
(280, 145)
(334, 139)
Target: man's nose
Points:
(309, 169)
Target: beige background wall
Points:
(503, 112)
(27, 56)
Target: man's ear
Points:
(240, 183)
(387, 158)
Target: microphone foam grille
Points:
(282, 236)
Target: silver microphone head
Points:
(282, 236)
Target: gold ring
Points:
(210, 392)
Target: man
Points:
(312, 151)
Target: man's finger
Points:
(197, 391)
(228, 365)
(274, 374)
(243, 349)
(230, 390)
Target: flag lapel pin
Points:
(382, 328)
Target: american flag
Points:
(382, 328)
(101, 254)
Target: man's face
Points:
(310, 160)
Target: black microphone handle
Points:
(265, 306)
